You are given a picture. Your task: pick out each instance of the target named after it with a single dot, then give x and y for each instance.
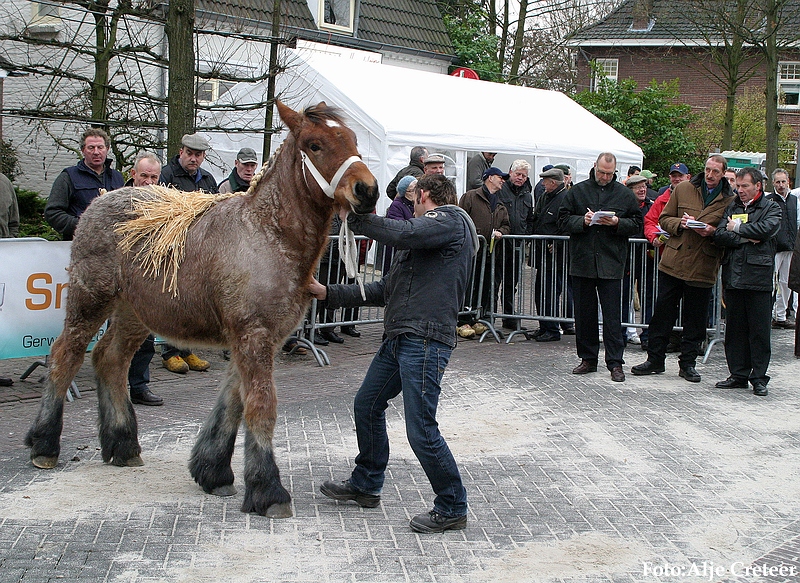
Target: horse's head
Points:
(331, 157)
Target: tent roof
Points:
(416, 107)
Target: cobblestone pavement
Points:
(569, 479)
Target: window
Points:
(789, 85)
(608, 68)
(45, 20)
(337, 15)
(209, 90)
(41, 13)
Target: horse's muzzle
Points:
(367, 196)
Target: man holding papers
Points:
(598, 248)
(688, 267)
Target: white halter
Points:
(327, 188)
(347, 242)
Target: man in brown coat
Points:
(688, 266)
(492, 222)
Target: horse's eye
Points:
(314, 148)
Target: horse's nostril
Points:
(367, 193)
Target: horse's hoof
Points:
(135, 462)
(280, 510)
(227, 490)
(44, 462)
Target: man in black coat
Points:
(599, 214)
(415, 168)
(747, 232)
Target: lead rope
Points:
(347, 241)
(349, 251)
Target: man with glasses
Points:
(598, 249)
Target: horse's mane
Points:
(160, 222)
(321, 112)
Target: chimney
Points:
(642, 14)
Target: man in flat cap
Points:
(434, 164)
(244, 168)
(548, 254)
(184, 173)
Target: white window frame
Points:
(789, 83)
(610, 67)
(215, 86)
(338, 27)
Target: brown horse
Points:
(241, 284)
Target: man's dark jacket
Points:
(788, 231)
(426, 284)
(518, 200)
(173, 174)
(73, 190)
(414, 169)
(599, 251)
(747, 265)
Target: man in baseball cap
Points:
(678, 173)
(244, 168)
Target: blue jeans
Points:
(413, 365)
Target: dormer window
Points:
(45, 20)
(337, 15)
(642, 25)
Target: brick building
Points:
(649, 40)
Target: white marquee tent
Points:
(391, 109)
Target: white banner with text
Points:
(33, 293)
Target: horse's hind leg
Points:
(119, 443)
(66, 357)
(210, 463)
(264, 493)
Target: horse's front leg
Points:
(210, 463)
(66, 358)
(264, 493)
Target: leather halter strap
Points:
(328, 188)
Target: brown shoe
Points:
(617, 375)
(584, 367)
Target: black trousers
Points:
(513, 257)
(671, 291)
(747, 334)
(549, 284)
(587, 291)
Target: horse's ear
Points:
(290, 117)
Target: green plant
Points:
(651, 118)
(9, 163)
(31, 216)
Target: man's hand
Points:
(317, 290)
(587, 218)
(707, 232)
(497, 234)
(611, 221)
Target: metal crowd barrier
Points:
(518, 279)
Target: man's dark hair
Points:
(440, 189)
(754, 173)
(95, 133)
(720, 160)
(632, 169)
(417, 152)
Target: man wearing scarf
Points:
(688, 267)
